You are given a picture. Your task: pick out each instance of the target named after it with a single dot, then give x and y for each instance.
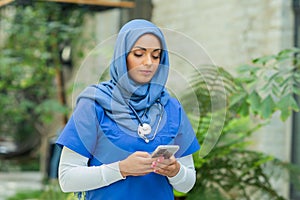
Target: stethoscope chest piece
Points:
(144, 129)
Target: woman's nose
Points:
(147, 60)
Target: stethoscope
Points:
(144, 129)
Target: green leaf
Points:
(255, 102)
(267, 107)
(236, 98)
(273, 77)
(263, 160)
(286, 53)
(294, 104)
(285, 81)
(296, 91)
(263, 60)
(286, 105)
(275, 90)
(244, 109)
(179, 194)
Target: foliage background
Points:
(231, 170)
(31, 71)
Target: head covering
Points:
(115, 95)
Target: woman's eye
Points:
(138, 54)
(156, 56)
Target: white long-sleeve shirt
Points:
(75, 175)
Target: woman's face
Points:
(143, 59)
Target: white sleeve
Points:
(75, 176)
(186, 177)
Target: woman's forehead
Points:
(148, 41)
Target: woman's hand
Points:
(166, 167)
(137, 164)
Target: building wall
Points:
(233, 33)
(97, 44)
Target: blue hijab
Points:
(115, 95)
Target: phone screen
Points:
(165, 150)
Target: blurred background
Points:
(47, 56)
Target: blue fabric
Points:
(114, 95)
(108, 143)
(54, 161)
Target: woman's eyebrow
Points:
(145, 49)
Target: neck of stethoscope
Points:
(136, 114)
(145, 129)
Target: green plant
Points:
(231, 170)
(31, 68)
(271, 84)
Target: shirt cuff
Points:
(179, 177)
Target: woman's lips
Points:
(146, 72)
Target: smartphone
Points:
(165, 150)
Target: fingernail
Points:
(153, 164)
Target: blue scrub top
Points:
(105, 142)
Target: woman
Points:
(116, 125)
